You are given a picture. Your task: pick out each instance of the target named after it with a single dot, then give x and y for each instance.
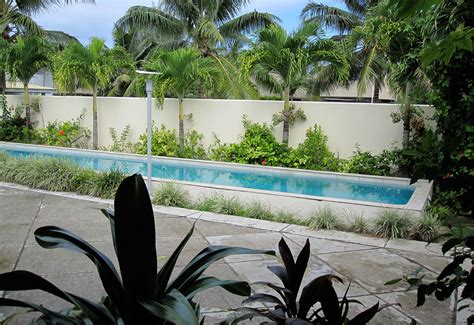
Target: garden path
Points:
(367, 262)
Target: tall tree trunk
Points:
(26, 102)
(95, 135)
(181, 126)
(406, 116)
(202, 90)
(286, 115)
(3, 82)
(376, 93)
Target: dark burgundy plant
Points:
(317, 304)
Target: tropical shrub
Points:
(313, 153)
(317, 304)
(120, 143)
(12, 125)
(364, 162)
(140, 294)
(65, 134)
(163, 142)
(193, 147)
(258, 145)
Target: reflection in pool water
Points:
(261, 179)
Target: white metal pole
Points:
(149, 88)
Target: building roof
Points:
(17, 87)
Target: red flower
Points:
(264, 162)
(61, 132)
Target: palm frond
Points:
(141, 17)
(34, 6)
(22, 22)
(248, 23)
(330, 17)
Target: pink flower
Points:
(61, 132)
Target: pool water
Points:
(253, 178)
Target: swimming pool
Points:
(282, 180)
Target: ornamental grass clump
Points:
(427, 228)
(393, 224)
(60, 175)
(258, 210)
(171, 194)
(222, 204)
(324, 218)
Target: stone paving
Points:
(365, 261)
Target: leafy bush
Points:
(193, 147)
(313, 153)
(140, 294)
(170, 194)
(163, 142)
(364, 162)
(12, 125)
(120, 143)
(324, 218)
(64, 134)
(219, 151)
(427, 228)
(318, 302)
(393, 224)
(258, 145)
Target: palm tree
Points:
(89, 67)
(282, 62)
(24, 59)
(182, 71)
(15, 20)
(202, 24)
(344, 22)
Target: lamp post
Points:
(149, 90)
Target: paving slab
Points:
(372, 269)
(424, 315)
(326, 246)
(8, 256)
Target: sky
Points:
(85, 20)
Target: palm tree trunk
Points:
(26, 102)
(3, 82)
(406, 116)
(95, 135)
(202, 90)
(286, 111)
(376, 93)
(181, 126)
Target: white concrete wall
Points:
(345, 124)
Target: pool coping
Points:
(283, 228)
(417, 202)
